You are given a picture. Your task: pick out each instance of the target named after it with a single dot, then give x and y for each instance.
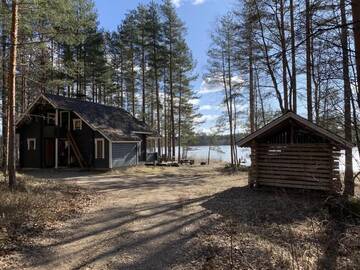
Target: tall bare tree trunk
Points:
(179, 120)
(171, 88)
(3, 90)
(284, 57)
(229, 109)
(349, 177)
(293, 59)
(308, 61)
(356, 20)
(165, 117)
(251, 86)
(122, 104)
(268, 60)
(133, 83)
(11, 96)
(157, 92)
(143, 69)
(261, 100)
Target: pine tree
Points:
(12, 95)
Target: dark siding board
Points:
(101, 163)
(143, 147)
(124, 154)
(30, 159)
(292, 166)
(37, 128)
(85, 139)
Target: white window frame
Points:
(77, 121)
(29, 140)
(51, 116)
(103, 148)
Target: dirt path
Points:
(144, 218)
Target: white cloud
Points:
(207, 107)
(207, 130)
(214, 85)
(206, 118)
(177, 3)
(198, 2)
(207, 87)
(240, 108)
(194, 101)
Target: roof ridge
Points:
(94, 103)
(295, 116)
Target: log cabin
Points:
(60, 132)
(293, 152)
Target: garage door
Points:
(124, 154)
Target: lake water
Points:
(223, 154)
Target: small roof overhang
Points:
(339, 141)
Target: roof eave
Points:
(337, 140)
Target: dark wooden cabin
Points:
(58, 132)
(293, 152)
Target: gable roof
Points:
(291, 115)
(114, 123)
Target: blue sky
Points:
(199, 17)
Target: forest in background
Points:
(268, 56)
(284, 55)
(145, 66)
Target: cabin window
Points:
(51, 119)
(31, 144)
(65, 119)
(99, 148)
(77, 124)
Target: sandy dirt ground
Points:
(143, 218)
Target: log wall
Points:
(307, 166)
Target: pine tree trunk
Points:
(308, 62)
(11, 96)
(171, 86)
(3, 88)
(251, 87)
(179, 122)
(132, 81)
(122, 79)
(165, 117)
(356, 20)
(143, 68)
(157, 108)
(349, 177)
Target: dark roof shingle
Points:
(115, 123)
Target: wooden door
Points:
(49, 153)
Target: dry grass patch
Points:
(35, 205)
(275, 229)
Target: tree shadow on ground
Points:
(266, 205)
(281, 219)
(111, 235)
(105, 182)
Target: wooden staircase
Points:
(76, 150)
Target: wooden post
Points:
(110, 155)
(253, 171)
(56, 139)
